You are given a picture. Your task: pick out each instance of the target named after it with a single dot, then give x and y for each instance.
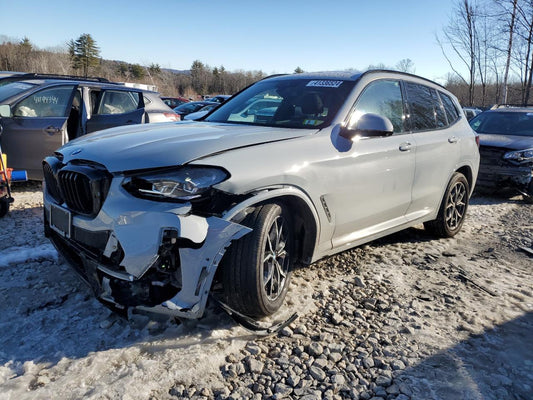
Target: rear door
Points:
(437, 147)
(114, 107)
(37, 128)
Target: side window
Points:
(422, 107)
(118, 102)
(51, 102)
(451, 111)
(384, 98)
(440, 116)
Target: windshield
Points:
(504, 123)
(13, 88)
(290, 103)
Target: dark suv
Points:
(506, 148)
(39, 113)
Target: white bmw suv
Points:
(292, 169)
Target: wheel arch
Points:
(467, 172)
(301, 209)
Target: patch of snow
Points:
(17, 255)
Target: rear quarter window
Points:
(451, 111)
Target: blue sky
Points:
(273, 36)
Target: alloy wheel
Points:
(456, 206)
(275, 259)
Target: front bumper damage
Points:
(144, 255)
(496, 174)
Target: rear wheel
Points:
(257, 268)
(452, 211)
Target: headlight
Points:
(520, 155)
(186, 183)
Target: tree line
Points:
(82, 58)
(492, 39)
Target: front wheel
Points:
(452, 211)
(257, 268)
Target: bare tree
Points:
(510, 8)
(460, 36)
(406, 65)
(525, 36)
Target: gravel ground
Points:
(405, 317)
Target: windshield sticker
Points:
(312, 122)
(330, 84)
(46, 99)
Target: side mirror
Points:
(368, 125)
(5, 111)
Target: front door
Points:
(37, 128)
(376, 173)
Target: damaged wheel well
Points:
(305, 228)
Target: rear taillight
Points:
(477, 140)
(172, 116)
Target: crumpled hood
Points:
(511, 142)
(167, 144)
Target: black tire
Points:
(4, 207)
(257, 267)
(452, 211)
(529, 198)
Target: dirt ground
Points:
(404, 317)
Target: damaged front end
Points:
(135, 250)
(501, 169)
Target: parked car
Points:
(471, 112)
(193, 106)
(202, 112)
(40, 113)
(221, 98)
(152, 216)
(506, 148)
(9, 76)
(173, 102)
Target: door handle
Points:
(406, 146)
(51, 130)
(452, 139)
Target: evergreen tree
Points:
(137, 71)
(26, 45)
(154, 69)
(84, 53)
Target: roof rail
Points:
(511, 106)
(33, 75)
